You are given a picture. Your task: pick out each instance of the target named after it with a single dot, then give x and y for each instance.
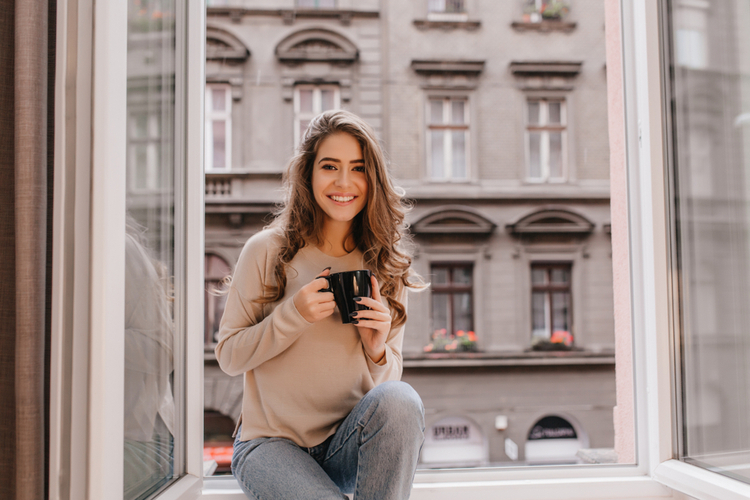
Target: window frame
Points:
(448, 144)
(86, 412)
(316, 6)
(212, 116)
(317, 104)
(452, 288)
(548, 289)
(544, 127)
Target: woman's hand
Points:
(374, 324)
(313, 304)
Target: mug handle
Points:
(329, 289)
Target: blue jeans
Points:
(373, 454)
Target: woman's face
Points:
(339, 181)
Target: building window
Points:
(316, 4)
(538, 10)
(309, 102)
(551, 304)
(448, 6)
(448, 138)
(545, 139)
(146, 153)
(452, 299)
(218, 127)
(217, 270)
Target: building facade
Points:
(493, 117)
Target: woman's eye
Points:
(359, 169)
(328, 167)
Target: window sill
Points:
(528, 358)
(544, 26)
(426, 24)
(700, 483)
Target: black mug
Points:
(345, 287)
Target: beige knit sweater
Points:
(301, 379)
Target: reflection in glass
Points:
(711, 92)
(462, 312)
(539, 315)
(220, 144)
(555, 154)
(459, 154)
(151, 417)
(535, 156)
(560, 311)
(438, 169)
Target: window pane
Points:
(560, 276)
(459, 154)
(712, 231)
(533, 116)
(539, 315)
(555, 155)
(561, 311)
(219, 99)
(220, 144)
(440, 311)
(306, 101)
(440, 275)
(538, 276)
(326, 4)
(151, 417)
(457, 112)
(462, 275)
(303, 128)
(535, 155)
(438, 165)
(436, 5)
(462, 312)
(436, 111)
(554, 111)
(326, 99)
(306, 3)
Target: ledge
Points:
(289, 15)
(544, 26)
(441, 66)
(529, 358)
(426, 24)
(536, 68)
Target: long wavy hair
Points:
(379, 230)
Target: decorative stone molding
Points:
(546, 68)
(548, 220)
(445, 25)
(311, 45)
(454, 219)
(448, 74)
(223, 45)
(289, 16)
(544, 26)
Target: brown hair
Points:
(378, 230)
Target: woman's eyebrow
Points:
(338, 161)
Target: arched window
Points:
(216, 270)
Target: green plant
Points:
(554, 9)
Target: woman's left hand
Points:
(373, 324)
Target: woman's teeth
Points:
(342, 199)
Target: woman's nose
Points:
(343, 178)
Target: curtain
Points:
(26, 135)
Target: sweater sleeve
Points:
(391, 366)
(247, 338)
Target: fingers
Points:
(371, 315)
(375, 288)
(372, 303)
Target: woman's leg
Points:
(375, 451)
(276, 468)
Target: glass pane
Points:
(440, 312)
(539, 276)
(151, 416)
(560, 312)
(219, 144)
(535, 155)
(711, 117)
(436, 6)
(533, 116)
(306, 3)
(539, 315)
(219, 99)
(457, 112)
(459, 154)
(440, 275)
(560, 276)
(462, 313)
(303, 128)
(326, 4)
(462, 275)
(438, 165)
(326, 99)
(436, 111)
(555, 109)
(555, 155)
(306, 101)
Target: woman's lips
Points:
(342, 200)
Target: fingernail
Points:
(327, 269)
(355, 322)
(357, 299)
(353, 315)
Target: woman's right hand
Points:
(313, 304)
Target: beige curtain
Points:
(26, 90)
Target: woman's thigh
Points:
(276, 468)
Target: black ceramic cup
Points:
(345, 287)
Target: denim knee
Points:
(398, 402)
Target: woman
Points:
(324, 412)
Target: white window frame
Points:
(226, 117)
(545, 127)
(317, 104)
(447, 139)
(89, 208)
